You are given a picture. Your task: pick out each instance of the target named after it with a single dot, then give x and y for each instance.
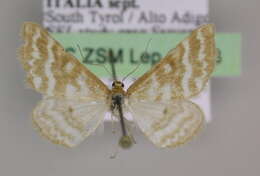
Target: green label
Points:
(129, 51)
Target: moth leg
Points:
(113, 119)
(130, 126)
(115, 153)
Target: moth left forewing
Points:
(167, 124)
(54, 72)
(183, 73)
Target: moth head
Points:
(117, 84)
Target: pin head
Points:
(125, 142)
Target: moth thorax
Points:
(125, 142)
(117, 98)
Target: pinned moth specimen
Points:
(75, 101)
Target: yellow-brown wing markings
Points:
(68, 122)
(183, 73)
(168, 124)
(54, 72)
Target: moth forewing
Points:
(183, 72)
(54, 72)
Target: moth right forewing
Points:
(183, 73)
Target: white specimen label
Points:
(156, 16)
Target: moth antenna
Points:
(100, 65)
(82, 57)
(131, 72)
(148, 43)
(134, 79)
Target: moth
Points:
(75, 101)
